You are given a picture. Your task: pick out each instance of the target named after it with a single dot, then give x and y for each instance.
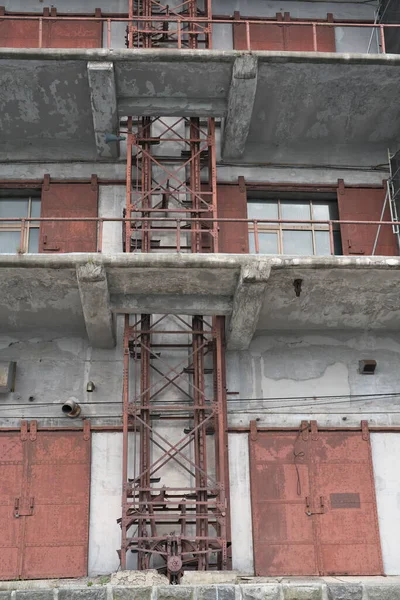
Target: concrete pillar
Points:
(103, 100)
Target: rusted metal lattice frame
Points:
(196, 511)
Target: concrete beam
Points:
(95, 298)
(247, 303)
(184, 304)
(179, 107)
(103, 100)
(241, 98)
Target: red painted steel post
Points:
(315, 42)
(383, 43)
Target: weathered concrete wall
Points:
(386, 455)
(285, 378)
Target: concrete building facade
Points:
(199, 315)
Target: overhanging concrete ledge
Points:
(44, 291)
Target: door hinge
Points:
(23, 513)
(314, 430)
(365, 431)
(304, 426)
(253, 431)
(33, 431)
(24, 431)
(86, 430)
(319, 511)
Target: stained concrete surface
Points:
(326, 107)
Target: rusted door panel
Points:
(59, 481)
(299, 38)
(278, 37)
(72, 34)
(11, 477)
(19, 33)
(365, 204)
(263, 36)
(283, 535)
(68, 201)
(233, 238)
(329, 476)
(347, 532)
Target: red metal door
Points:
(283, 536)
(72, 34)
(44, 506)
(19, 33)
(11, 478)
(365, 204)
(69, 200)
(295, 38)
(313, 504)
(233, 238)
(347, 530)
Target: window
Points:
(13, 236)
(301, 239)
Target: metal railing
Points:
(179, 231)
(176, 29)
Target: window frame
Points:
(279, 228)
(24, 226)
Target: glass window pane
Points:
(33, 245)
(322, 243)
(267, 209)
(299, 211)
(10, 242)
(298, 243)
(15, 207)
(268, 243)
(321, 211)
(35, 208)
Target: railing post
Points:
(108, 33)
(383, 45)
(315, 42)
(178, 235)
(40, 33)
(21, 249)
(178, 24)
(256, 239)
(248, 43)
(331, 240)
(100, 236)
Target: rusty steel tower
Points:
(175, 466)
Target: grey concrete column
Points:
(103, 99)
(247, 304)
(95, 298)
(242, 93)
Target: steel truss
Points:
(175, 512)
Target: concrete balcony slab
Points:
(256, 293)
(293, 107)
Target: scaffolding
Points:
(175, 470)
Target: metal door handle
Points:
(18, 513)
(319, 511)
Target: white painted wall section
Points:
(105, 503)
(386, 460)
(241, 521)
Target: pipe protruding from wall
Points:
(71, 409)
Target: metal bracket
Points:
(253, 431)
(365, 431)
(24, 513)
(242, 184)
(314, 430)
(321, 509)
(24, 431)
(33, 431)
(86, 430)
(46, 182)
(304, 425)
(341, 187)
(94, 183)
